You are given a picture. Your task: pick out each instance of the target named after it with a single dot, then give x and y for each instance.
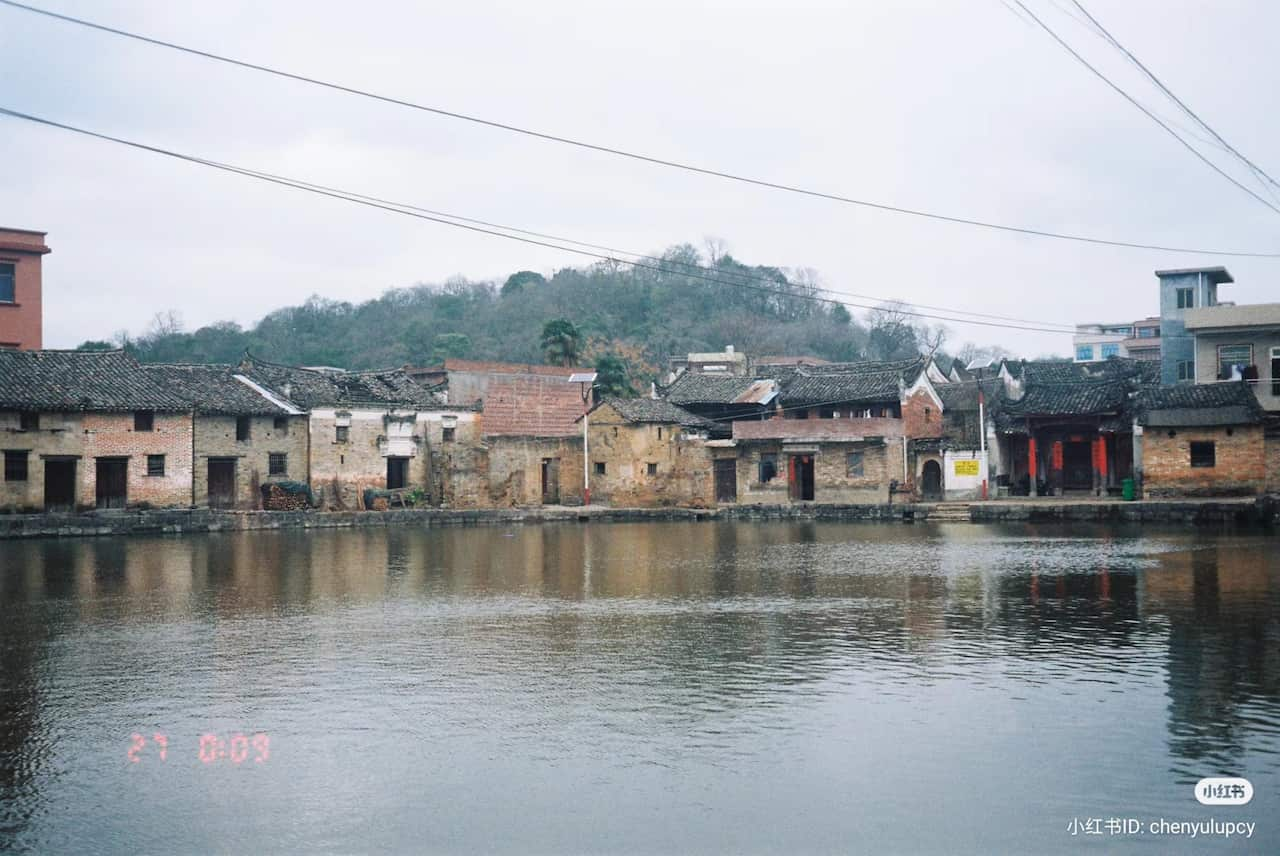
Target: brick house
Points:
(90, 429)
(21, 312)
(1204, 440)
(533, 441)
(377, 429)
(648, 452)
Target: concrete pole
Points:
(586, 466)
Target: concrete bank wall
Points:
(1263, 512)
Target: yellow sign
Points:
(966, 468)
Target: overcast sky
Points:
(958, 107)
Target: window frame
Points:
(1189, 365)
(244, 429)
(1199, 461)
(280, 424)
(28, 420)
(277, 458)
(1084, 353)
(12, 458)
(12, 277)
(858, 472)
(144, 421)
(600, 469)
(152, 470)
(1218, 349)
(448, 434)
(651, 469)
(1185, 297)
(342, 434)
(1109, 349)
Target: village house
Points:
(648, 452)
(377, 430)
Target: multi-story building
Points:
(1094, 342)
(21, 316)
(1238, 342)
(1181, 291)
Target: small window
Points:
(1186, 298)
(1231, 357)
(144, 420)
(928, 411)
(281, 424)
(1186, 370)
(1084, 353)
(29, 421)
(1110, 350)
(277, 464)
(652, 469)
(659, 432)
(242, 429)
(600, 468)
(768, 466)
(1202, 453)
(7, 278)
(341, 434)
(853, 465)
(15, 466)
(155, 465)
(448, 434)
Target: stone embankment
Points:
(1264, 512)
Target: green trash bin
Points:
(1126, 490)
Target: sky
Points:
(963, 108)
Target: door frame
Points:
(721, 468)
(99, 495)
(234, 464)
(73, 497)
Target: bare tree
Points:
(717, 248)
(167, 323)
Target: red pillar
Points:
(1031, 463)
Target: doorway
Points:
(397, 473)
(1077, 465)
(550, 481)
(800, 478)
(726, 471)
(931, 481)
(59, 484)
(112, 478)
(222, 482)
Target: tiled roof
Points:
(1228, 403)
(213, 389)
(815, 430)
(781, 360)
(656, 410)
(963, 395)
(490, 367)
(1081, 398)
(693, 388)
(874, 382)
(311, 388)
(526, 407)
(81, 380)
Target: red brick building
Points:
(21, 316)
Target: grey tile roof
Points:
(310, 388)
(1227, 403)
(693, 388)
(963, 395)
(82, 380)
(213, 389)
(653, 410)
(871, 382)
(1080, 398)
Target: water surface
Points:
(682, 687)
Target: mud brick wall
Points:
(111, 435)
(647, 465)
(58, 434)
(1239, 468)
(514, 476)
(832, 482)
(215, 437)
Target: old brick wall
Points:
(1272, 444)
(457, 467)
(832, 482)
(1238, 467)
(922, 415)
(215, 437)
(514, 475)
(58, 434)
(111, 435)
(681, 466)
(342, 470)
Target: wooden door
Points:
(726, 472)
(222, 482)
(112, 477)
(59, 485)
(550, 481)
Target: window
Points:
(28, 421)
(1186, 298)
(15, 466)
(1202, 453)
(155, 465)
(341, 434)
(1275, 371)
(448, 434)
(768, 466)
(600, 468)
(659, 432)
(281, 424)
(1148, 332)
(1110, 350)
(1084, 353)
(853, 465)
(277, 464)
(1186, 370)
(144, 420)
(242, 429)
(7, 278)
(1233, 355)
(652, 469)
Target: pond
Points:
(652, 687)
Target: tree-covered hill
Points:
(640, 314)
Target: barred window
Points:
(155, 465)
(341, 434)
(15, 466)
(277, 464)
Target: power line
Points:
(1257, 170)
(1152, 116)
(624, 153)
(448, 220)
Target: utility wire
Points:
(445, 220)
(1257, 170)
(1152, 116)
(543, 135)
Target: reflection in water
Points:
(743, 687)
